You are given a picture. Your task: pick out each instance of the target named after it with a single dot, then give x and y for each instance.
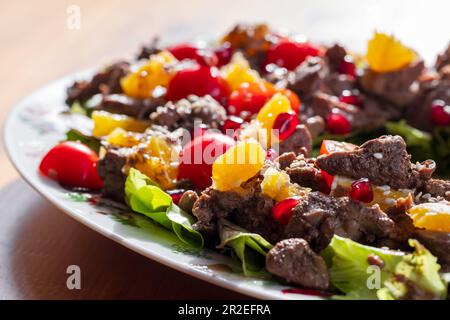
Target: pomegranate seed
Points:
(361, 190)
(232, 123)
(338, 124)
(350, 97)
(440, 113)
(271, 154)
(176, 195)
(347, 66)
(224, 54)
(282, 211)
(285, 123)
(328, 181)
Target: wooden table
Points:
(37, 241)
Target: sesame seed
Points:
(378, 155)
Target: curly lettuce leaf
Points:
(249, 248)
(423, 145)
(419, 142)
(402, 275)
(146, 197)
(417, 272)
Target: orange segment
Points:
(121, 138)
(432, 216)
(105, 123)
(156, 72)
(240, 163)
(238, 71)
(385, 53)
(279, 103)
(384, 196)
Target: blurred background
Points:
(39, 43)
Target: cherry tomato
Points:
(250, 97)
(200, 81)
(198, 155)
(330, 146)
(289, 54)
(203, 56)
(72, 164)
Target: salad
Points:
(307, 163)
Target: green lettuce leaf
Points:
(86, 107)
(78, 108)
(402, 275)
(91, 142)
(419, 142)
(146, 197)
(249, 248)
(423, 145)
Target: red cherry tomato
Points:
(330, 146)
(289, 54)
(250, 97)
(198, 80)
(203, 56)
(72, 164)
(198, 155)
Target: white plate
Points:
(36, 124)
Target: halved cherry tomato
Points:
(203, 56)
(198, 80)
(72, 164)
(250, 97)
(330, 146)
(198, 155)
(289, 54)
